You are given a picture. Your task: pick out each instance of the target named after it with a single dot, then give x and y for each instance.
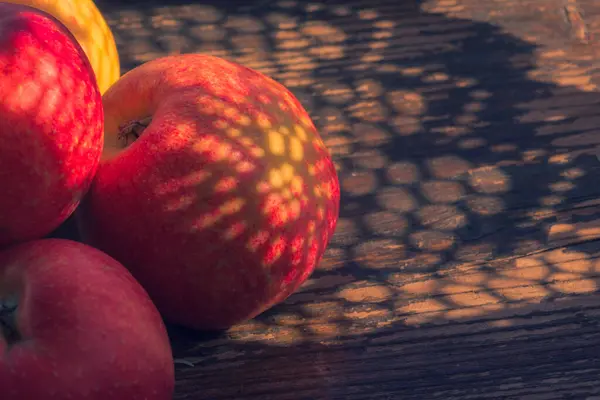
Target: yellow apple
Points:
(89, 27)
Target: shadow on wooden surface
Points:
(465, 263)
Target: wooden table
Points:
(465, 263)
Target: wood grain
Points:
(466, 260)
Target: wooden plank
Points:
(466, 260)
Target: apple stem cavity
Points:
(132, 130)
(8, 321)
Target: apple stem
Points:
(132, 129)
(8, 323)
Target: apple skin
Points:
(86, 23)
(88, 329)
(51, 123)
(225, 204)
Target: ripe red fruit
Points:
(51, 123)
(225, 203)
(74, 324)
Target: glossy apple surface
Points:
(74, 324)
(87, 24)
(225, 203)
(51, 123)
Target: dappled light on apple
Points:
(285, 186)
(285, 183)
(227, 152)
(50, 124)
(280, 153)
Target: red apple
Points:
(51, 123)
(225, 203)
(74, 324)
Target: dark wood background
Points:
(465, 264)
